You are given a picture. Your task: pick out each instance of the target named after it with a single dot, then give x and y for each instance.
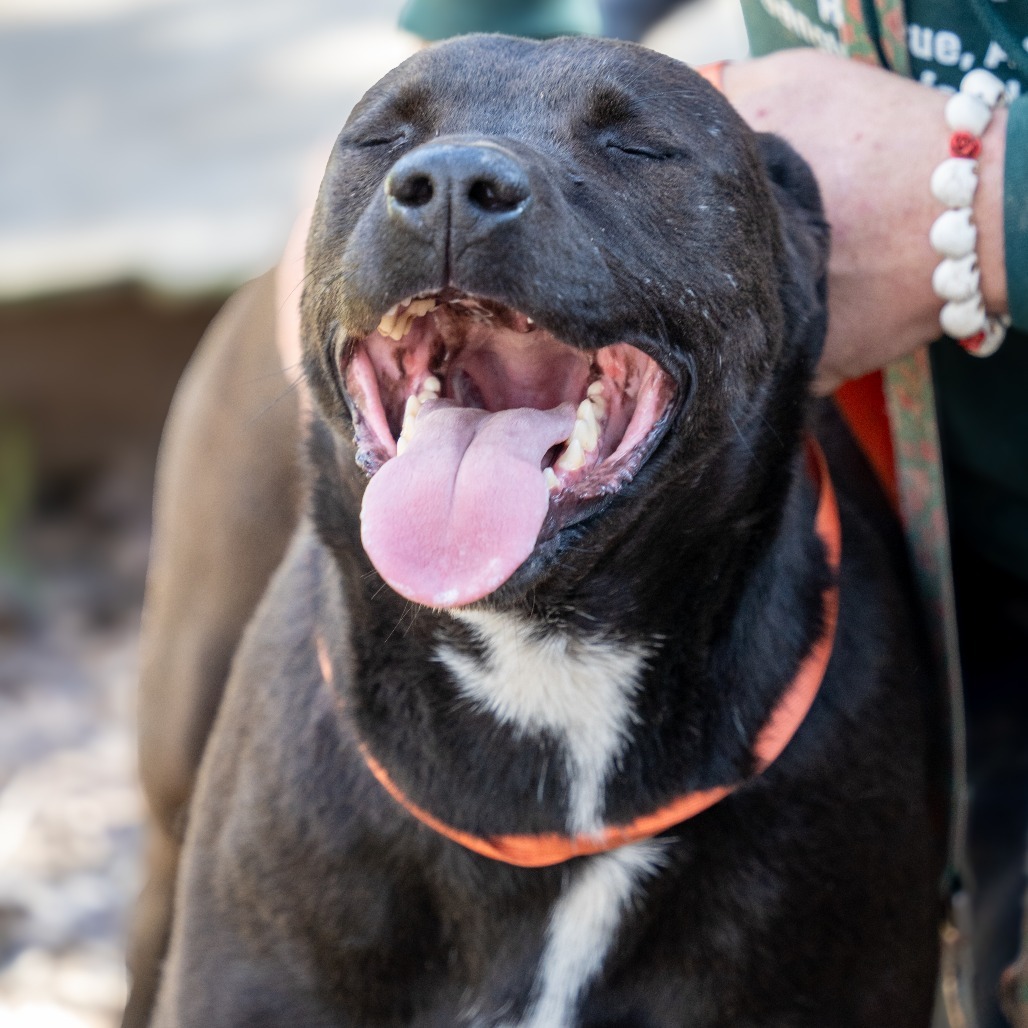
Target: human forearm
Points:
(873, 140)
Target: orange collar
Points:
(547, 849)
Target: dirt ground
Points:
(85, 386)
(69, 804)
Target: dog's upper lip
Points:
(483, 432)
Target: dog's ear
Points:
(804, 278)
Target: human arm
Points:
(873, 140)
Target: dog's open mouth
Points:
(484, 433)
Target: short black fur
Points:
(808, 898)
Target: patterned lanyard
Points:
(910, 396)
(892, 29)
(913, 425)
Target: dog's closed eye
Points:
(652, 153)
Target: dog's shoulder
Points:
(257, 862)
(277, 690)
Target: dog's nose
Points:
(457, 187)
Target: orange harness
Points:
(547, 849)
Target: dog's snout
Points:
(449, 186)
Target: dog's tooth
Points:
(388, 323)
(421, 307)
(595, 389)
(430, 389)
(550, 478)
(573, 456)
(586, 433)
(406, 314)
(588, 412)
(592, 440)
(401, 446)
(410, 414)
(387, 326)
(403, 325)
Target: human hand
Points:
(873, 140)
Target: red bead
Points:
(972, 343)
(963, 144)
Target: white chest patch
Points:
(581, 691)
(583, 928)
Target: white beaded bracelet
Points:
(957, 279)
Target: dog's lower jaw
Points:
(557, 714)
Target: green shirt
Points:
(540, 19)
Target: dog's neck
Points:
(577, 691)
(553, 714)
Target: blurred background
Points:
(153, 154)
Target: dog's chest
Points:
(581, 931)
(580, 692)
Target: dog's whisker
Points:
(410, 611)
(295, 366)
(742, 438)
(290, 389)
(299, 286)
(766, 422)
(739, 726)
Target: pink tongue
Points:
(455, 516)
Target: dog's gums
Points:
(484, 433)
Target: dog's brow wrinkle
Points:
(611, 104)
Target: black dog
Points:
(501, 745)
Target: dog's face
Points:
(542, 278)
